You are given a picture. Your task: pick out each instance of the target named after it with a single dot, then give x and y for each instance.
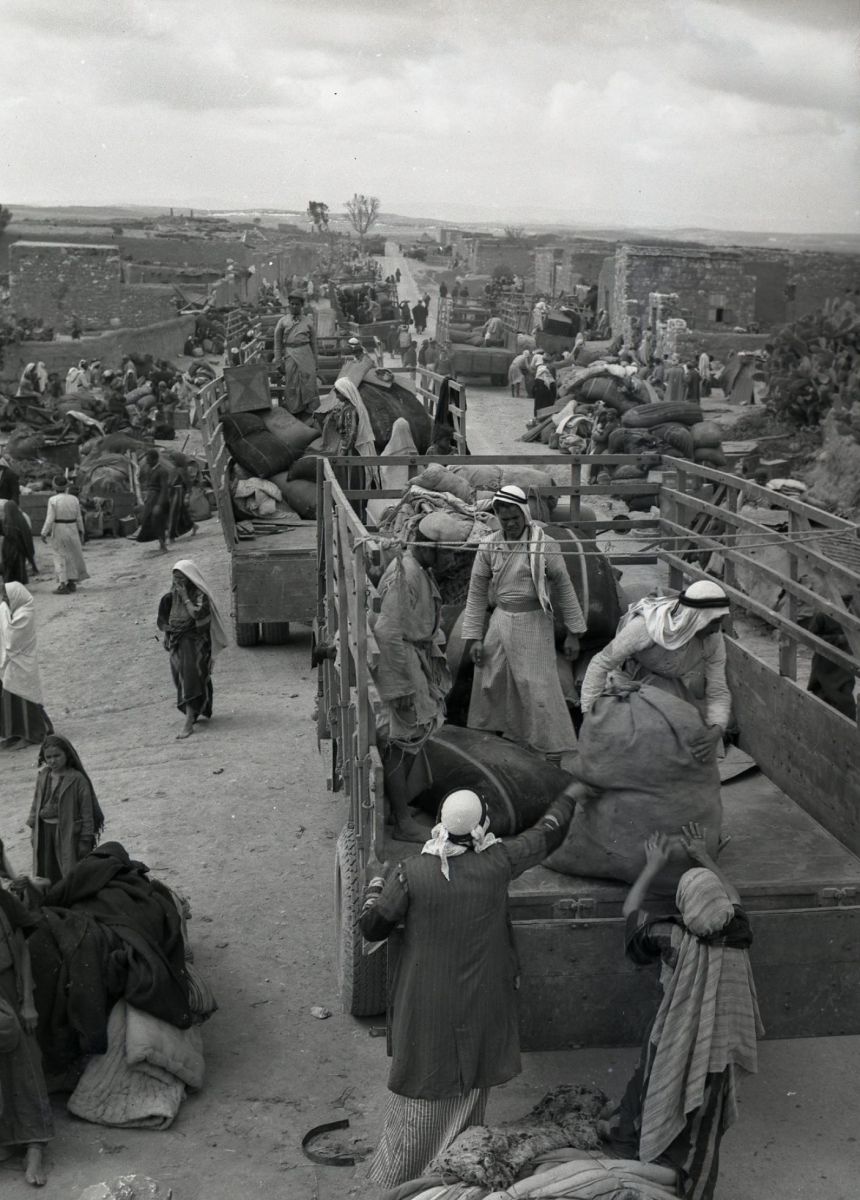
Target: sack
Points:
(646, 416)
(254, 447)
(450, 528)
(707, 433)
(436, 478)
(301, 495)
(305, 468)
(593, 581)
(289, 429)
(676, 439)
(480, 478)
(10, 1028)
(635, 758)
(604, 389)
(710, 456)
(198, 504)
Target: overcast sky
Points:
(725, 113)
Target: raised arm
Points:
(386, 901)
(694, 839)
(656, 857)
(530, 848)
(718, 698)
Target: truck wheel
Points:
(361, 979)
(246, 635)
(276, 633)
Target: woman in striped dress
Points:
(516, 690)
(453, 1009)
(683, 1095)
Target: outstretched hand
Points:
(657, 850)
(694, 839)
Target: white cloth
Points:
(217, 628)
(19, 665)
(392, 478)
(670, 623)
(440, 844)
(64, 525)
(365, 444)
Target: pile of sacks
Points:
(274, 464)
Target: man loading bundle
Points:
(516, 690)
(296, 354)
(676, 644)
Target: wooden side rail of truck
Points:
(795, 823)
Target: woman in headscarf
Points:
(22, 717)
(683, 1095)
(348, 430)
(26, 1120)
(194, 635)
(674, 643)
(394, 478)
(28, 384)
(18, 549)
(453, 1009)
(77, 379)
(544, 387)
(66, 819)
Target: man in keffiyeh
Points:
(516, 691)
(454, 1032)
(676, 644)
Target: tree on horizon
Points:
(363, 212)
(5, 216)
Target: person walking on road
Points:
(454, 1012)
(64, 526)
(155, 517)
(194, 635)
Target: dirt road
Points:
(238, 818)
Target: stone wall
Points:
(54, 280)
(560, 268)
(146, 304)
(487, 253)
(162, 340)
(688, 344)
(713, 289)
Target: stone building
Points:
(483, 254)
(714, 290)
(560, 268)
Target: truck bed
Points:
(274, 577)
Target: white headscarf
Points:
(463, 814)
(217, 628)
(672, 622)
(512, 494)
(393, 478)
(19, 666)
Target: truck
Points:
(795, 820)
(273, 578)
(463, 359)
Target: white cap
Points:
(461, 812)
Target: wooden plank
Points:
(808, 749)
(812, 557)
(274, 590)
(772, 618)
(788, 584)
(579, 990)
(757, 492)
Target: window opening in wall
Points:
(719, 315)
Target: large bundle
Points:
(646, 416)
(258, 449)
(635, 758)
(593, 581)
(517, 785)
(386, 403)
(437, 478)
(604, 389)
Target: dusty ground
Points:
(239, 819)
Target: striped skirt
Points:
(23, 719)
(415, 1131)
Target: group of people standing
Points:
(454, 1022)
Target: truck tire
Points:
(361, 979)
(246, 635)
(276, 633)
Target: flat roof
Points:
(66, 245)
